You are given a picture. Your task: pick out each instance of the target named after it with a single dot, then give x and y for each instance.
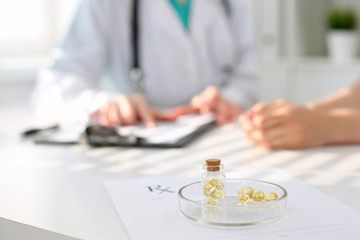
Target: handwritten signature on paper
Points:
(159, 189)
(159, 192)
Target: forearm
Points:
(241, 92)
(346, 98)
(242, 87)
(343, 126)
(65, 98)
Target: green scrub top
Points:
(183, 11)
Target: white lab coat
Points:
(91, 64)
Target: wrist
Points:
(310, 106)
(343, 125)
(318, 106)
(331, 126)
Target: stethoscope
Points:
(136, 73)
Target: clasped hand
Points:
(283, 125)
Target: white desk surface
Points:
(60, 188)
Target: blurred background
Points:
(292, 37)
(28, 31)
(296, 62)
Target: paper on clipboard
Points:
(168, 132)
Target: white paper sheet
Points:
(168, 132)
(149, 209)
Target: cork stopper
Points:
(213, 165)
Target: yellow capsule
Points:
(243, 198)
(213, 182)
(271, 196)
(246, 190)
(209, 187)
(207, 193)
(218, 194)
(257, 195)
(211, 201)
(220, 185)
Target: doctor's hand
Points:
(283, 125)
(128, 110)
(211, 100)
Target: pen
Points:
(34, 131)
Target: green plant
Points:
(338, 19)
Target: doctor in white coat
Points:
(197, 54)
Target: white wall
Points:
(29, 31)
(301, 71)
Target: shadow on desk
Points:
(10, 230)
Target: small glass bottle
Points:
(212, 182)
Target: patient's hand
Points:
(211, 100)
(128, 110)
(283, 125)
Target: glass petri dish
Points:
(229, 211)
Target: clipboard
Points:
(164, 135)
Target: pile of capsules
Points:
(214, 189)
(248, 195)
